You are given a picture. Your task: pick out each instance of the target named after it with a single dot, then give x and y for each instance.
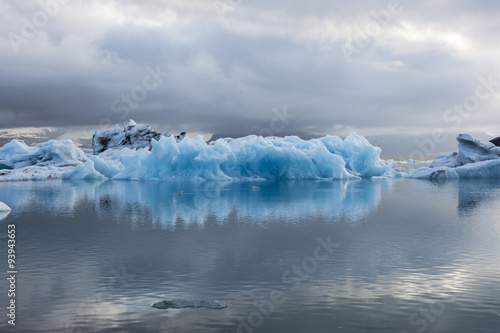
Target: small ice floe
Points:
(474, 159)
(4, 210)
(193, 304)
(4, 207)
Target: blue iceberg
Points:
(255, 157)
(183, 158)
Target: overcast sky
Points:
(270, 67)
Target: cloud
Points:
(231, 62)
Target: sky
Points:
(409, 74)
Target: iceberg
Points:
(60, 153)
(4, 211)
(138, 153)
(193, 304)
(4, 207)
(44, 161)
(475, 159)
(255, 157)
(14, 147)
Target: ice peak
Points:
(133, 136)
(129, 124)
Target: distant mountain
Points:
(33, 136)
(30, 136)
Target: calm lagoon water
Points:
(359, 256)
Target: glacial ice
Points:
(133, 136)
(183, 158)
(475, 159)
(59, 153)
(139, 153)
(4, 211)
(193, 304)
(255, 157)
(4, 207)
(14, 147)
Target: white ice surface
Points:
(4, 207)
(475, 159)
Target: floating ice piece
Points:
(470, 150)
(44, 161)
(437, 173)
(255, 157)
(59, 153)
(4, 207)
(182, 158)
(193, 304)
(4, 210)
(475, 159)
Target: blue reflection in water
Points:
(192, 202)
(412, 255)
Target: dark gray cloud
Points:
(230, 63)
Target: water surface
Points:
(359, 256)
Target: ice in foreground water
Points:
(193, 304)
(4, 210)
(4, 207)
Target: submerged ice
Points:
(193, 304)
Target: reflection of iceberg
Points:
(473, 193)
(153, 202)
(4, 214)
(61, 198)
(287, 201)
(193, 304)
